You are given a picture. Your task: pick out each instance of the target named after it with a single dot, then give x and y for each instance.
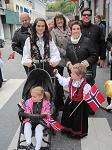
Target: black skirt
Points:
(77, 123)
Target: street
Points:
(100, 125)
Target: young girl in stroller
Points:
(39, 103)
(34, 110)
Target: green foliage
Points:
(63, 6)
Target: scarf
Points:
(75, 41)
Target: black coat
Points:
(109, 41)
(19, 38)
(95, 33)
(81, 51)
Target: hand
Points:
(29, 65)
(53, 64)
(55, 71)
(101, 63)
(70, 66)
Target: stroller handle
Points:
(33, 117)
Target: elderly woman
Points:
(39, 49)
(60, 35)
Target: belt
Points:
(39, 61)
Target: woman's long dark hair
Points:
(46, 34)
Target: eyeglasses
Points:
(86, 14)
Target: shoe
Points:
(76, 136)
(44, 148)
(61, 108)
(4, 80)
(30, 147)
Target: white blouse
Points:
(54, 53)
(65, 81)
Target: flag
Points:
(54, 124)
(94, 98)
(11, 56)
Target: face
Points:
(97, 20)
(86, 16)
(40, 27)
(25, 20)
(76, 31)
(59, 22)
(37, 96)
(74, 76)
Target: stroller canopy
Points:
(38, 77)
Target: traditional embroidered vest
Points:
(76, 93)
(35, 52)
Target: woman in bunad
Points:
(39, 49)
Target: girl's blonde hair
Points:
(40, 89)
(79, 69)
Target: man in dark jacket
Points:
(95, 33)
(21, 35)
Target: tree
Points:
(64, 6)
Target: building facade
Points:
(38, 5)
(10, 11)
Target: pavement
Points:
(100, 125)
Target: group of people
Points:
(80, 48)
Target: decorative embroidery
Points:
(35, 51)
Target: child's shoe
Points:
(30, 147)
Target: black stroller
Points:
(37, 77)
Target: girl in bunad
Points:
(39, 103)
(75, 114)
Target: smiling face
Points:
(78, 72)
(86, 16)
(76, 31)
(59, 22)
(40, 27)
(25, 20)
